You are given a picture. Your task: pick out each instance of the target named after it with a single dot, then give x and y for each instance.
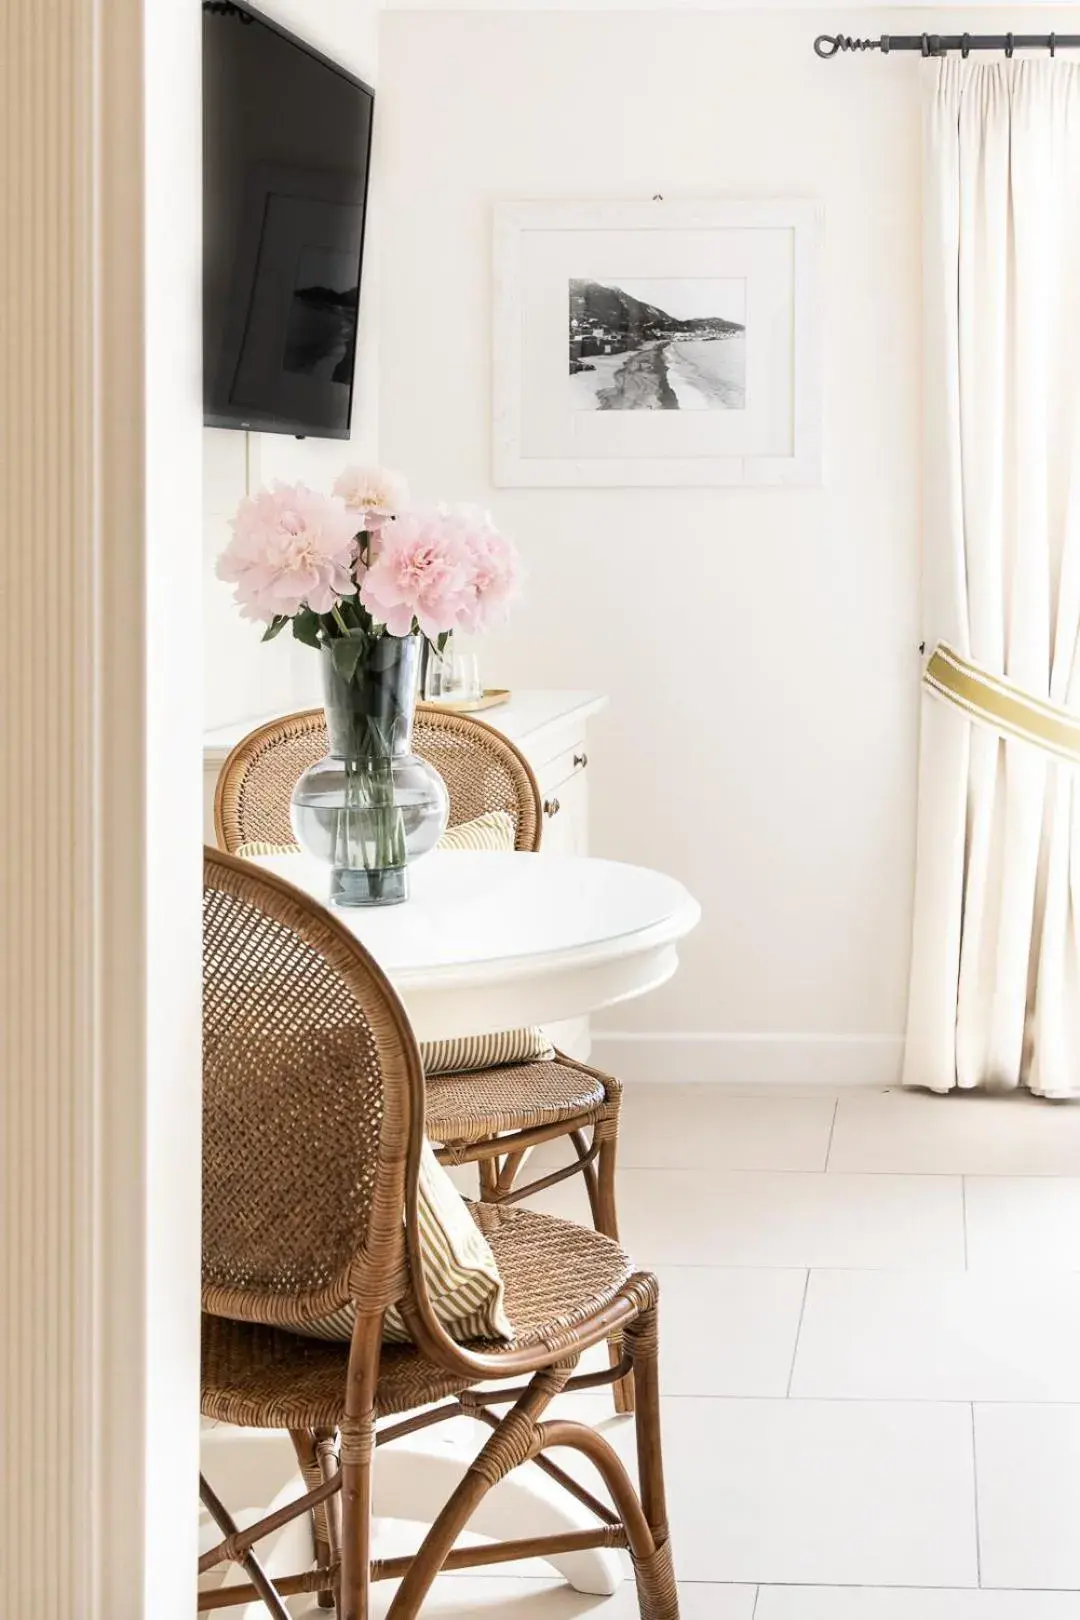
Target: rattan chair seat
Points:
(480, 1103)
(557, 1276)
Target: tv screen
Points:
(286, 150)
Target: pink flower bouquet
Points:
(362, 563)
(362, 575)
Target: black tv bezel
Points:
(253, 423)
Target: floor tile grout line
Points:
(1049, 1178)
(975, 1486)
(1049, 1272)
(851, 1400)
(1039, 1403)
(483, 1573)
(757, 1599)
(798, 1335)
(832, 1132)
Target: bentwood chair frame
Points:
(294, 1005)
(483, 771)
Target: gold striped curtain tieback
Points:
(1006, 708)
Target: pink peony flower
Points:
(373, 492)
(421, 570)
(495, 571)
(290, 548)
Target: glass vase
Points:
(371, 805)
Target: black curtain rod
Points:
(828, 45)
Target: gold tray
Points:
(489, 700)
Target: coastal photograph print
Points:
(656, 342)
(673, 344)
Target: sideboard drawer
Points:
(566, 815)
(567, 764)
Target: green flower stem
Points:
(369, 700)
(371, 828)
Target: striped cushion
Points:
(250, 851)
(470, 1052)
(493, 830)
(463, 1280)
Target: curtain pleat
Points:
(995, 979)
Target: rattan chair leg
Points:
(585, 1156)
(657, 1592)
(488, 1170)
(328, 1468)
(658, 1597)
(327, 1462)
(510, 1167)
(514, 1441)
(304, 1445)
(607, 1221)
(256, 1574)
(357, 1451)
(356, 1455)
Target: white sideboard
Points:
(551, 730)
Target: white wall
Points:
(759, 646)
(242, 677)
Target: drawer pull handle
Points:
(580, 761)
(552, 807)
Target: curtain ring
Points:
(1052, 42)
(926, 45)
(1010, 46)
(965, 46)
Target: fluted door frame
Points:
(100, 470)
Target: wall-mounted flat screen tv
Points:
(286, 155)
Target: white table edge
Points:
(486, 994)
(506, 969)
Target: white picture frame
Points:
(549, 429)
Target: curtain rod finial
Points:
(827, 45)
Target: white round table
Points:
(489, 942)
(486, 942)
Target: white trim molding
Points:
(832, 1062)
(100, 421)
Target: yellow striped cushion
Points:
(463, 1280)
(493, 830)
(250, 851)
(468, 1052)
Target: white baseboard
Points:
(835, 1062)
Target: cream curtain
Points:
(995, 977)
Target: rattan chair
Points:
(490, 1117)
(309, 1061)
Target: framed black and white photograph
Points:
(656, 343)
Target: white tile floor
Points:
(871, 1357)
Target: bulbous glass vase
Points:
(371, 805)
